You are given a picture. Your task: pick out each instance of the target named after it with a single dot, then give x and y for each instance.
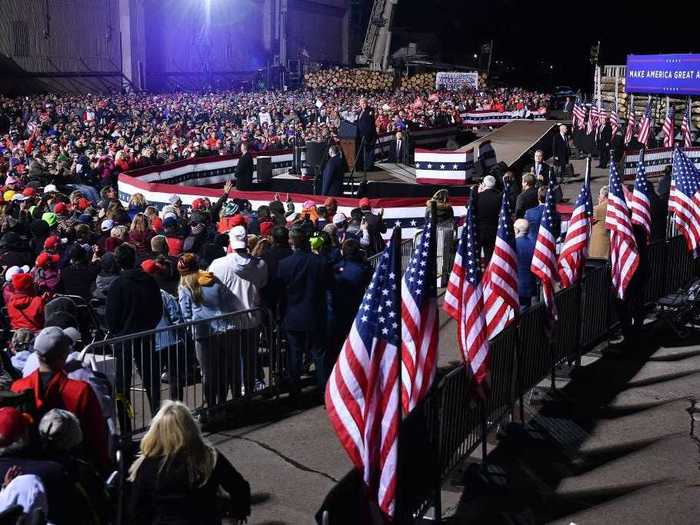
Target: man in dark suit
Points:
(306, 278)
(540, 169)
(367, 130)
(604, 144)
(527, 198)
(372, 227)
(244, 170)
(398, 151)
(534, 217)
(560, 149)
(333, 174)
(488, 208)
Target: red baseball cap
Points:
(22, 282)
(364, 202)
(266, 228)
(83, 203)
(44, 259)
(60, 208)
(52, 242)
(29, 192)
(13, 424)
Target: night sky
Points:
(532, 35)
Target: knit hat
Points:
(13, 424)
(60, 430)
(49, 218)
(339, 218)
(15, 270)
(230, 209)
(107, 225)
(47, 259)
(266, 228)
(51, 339)
(159, 244)
(60, 208)
(187, 263)
(238, 238)
(170, 222)
(52, 242)
(22, 282)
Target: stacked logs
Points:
(419, 81)
(350, 79)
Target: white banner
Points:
(457, 80)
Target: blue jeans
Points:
(298, 345)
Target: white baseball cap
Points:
(50, 188)
(238, 238)
(14, 270)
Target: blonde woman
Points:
(140, 235)
(137, 204)
(202, 296)
(177, 475)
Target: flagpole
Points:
(396, 263)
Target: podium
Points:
(349, 149)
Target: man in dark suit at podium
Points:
(333, 173)
(367, 130)
(244, 170)
(398, 152)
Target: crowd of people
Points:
(141, 269)
(89, 139)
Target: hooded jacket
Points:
(26, 310)
(244, 275)
(216, 301)
(133, 304)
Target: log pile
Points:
(350, 79)
(419, 81)
(607, 89)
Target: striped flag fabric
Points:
(630, 127)
(464, 302)
(624, 255)
(362, 395)
(579, 115)
(684, 202)
(645, 126)
(614, 121)
(575, 247)
(602, 117)
(667, 128)
(544, 259)
(685, 126)
(639, 200)
(592, 119)
(419, 332)
(501, 276)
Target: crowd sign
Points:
(663, 74)
(457, 80)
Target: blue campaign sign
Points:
(663, 74)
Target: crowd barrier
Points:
(205, 364)
(450, 424)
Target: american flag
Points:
(579, 114)
(362, 395)
(614, 121)
(684, 202)
(592, 119)
(667, 129)
(630, 127)
(624, 256)
(501, 276)
(639, 201)
(544, 259)
(685, 127)
(645, 126)
(419, 332)
(575, 248)
(602, 117)
(464, 301)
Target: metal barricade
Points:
(502, 351)
(595, 304)
(566, 339)
(205, 364)
(680, 265)
(534, 352)
(406, 253)
(654, 287)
